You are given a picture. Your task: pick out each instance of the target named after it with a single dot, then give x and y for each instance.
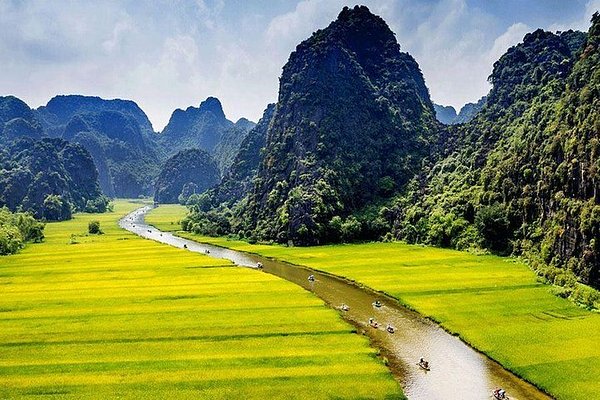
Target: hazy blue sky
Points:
(174, 53)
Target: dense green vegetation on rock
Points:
(17, 120)
(353, 152)
(49, 178)
(187, 173)
(351, 125)
(521, 177)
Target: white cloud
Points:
(513, 35)
(165, 54)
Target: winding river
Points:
(457, 370)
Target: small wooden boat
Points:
(424, 365)
(390, 329)
(344, 307)
(500, 394)
(185, 246)
(311, 278)
(377, 304)
(259, 265)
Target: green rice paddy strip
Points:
(117, 316)
(494, 303)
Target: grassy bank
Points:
(494, 303)
(117, 316)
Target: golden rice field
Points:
(117, 316)
(494, 303)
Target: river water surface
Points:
(457, 370)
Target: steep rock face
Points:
(189, 171)
(17, 120)
(353, 121)
(206, 128)
(199, 127)
(229, 143)
(60, 109)
(237, 182)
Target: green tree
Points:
(94, 227)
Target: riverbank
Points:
(495, 304)
(117, 316)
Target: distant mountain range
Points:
(447, 114)
(354, 149)
(206, 127)
(48, 177)
(127, 153)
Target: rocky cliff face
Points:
(188, 172)
(352, 122)
(206, 128)
(237, 182)
(445, 114)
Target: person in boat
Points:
(185, 246)
(207, 251)
(424, 364)
(390, 328)
(311, 278)
(259, 265)
(500, 393)
(377, 303)
(345, 307)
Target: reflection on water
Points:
(457, 371)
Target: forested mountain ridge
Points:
(118, 135)
(127, 161)
(351, 124)
(238, 180)
(50, 178)
(521, 177)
